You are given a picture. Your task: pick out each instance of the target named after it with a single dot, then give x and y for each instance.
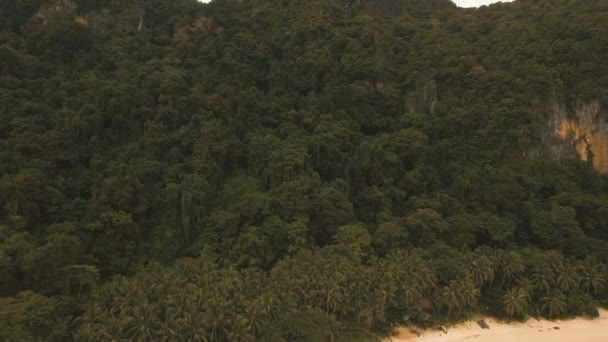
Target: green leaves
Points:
(354, 240)
(425, 226)
(301, 151)
(515, 302)
(31, 317)
(554, 304)
(460, 294)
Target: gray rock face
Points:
(52, 10)
(424, 99)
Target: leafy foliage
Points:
(292, 170)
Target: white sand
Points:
(576, 330)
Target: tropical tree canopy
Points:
(316, 170)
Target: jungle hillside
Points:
(298, 170)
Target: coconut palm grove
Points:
(290, 170)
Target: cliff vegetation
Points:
(293, 170)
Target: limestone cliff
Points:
(424, 98)
(577, 130)
(52, 10)
(128, 17)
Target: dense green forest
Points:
(293, 170)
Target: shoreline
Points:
(533, 330)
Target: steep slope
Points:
(298, 170)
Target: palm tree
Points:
(411, 293)
(86, 332)
(543, 279)
(526, 285)
(114, 329)
(568, 278)
(515, 301)
(216, 316)
(192, 327)
(426, 278)
(178, 305)
(511, 264)
(554, 304)
(482, 270)
(254, 316)
(449, 297)
(238, 331)
(268, 304)
(592, 277)
(144, 323)
(360, 295)
(167, 330)
(330, 326)
(332, 297)
(373, 311)
(469, 294)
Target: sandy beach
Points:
(576, 330)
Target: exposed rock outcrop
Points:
(129, 18)
(423, 100)
(52, 10)
(577, 130)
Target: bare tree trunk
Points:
(141, 20)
